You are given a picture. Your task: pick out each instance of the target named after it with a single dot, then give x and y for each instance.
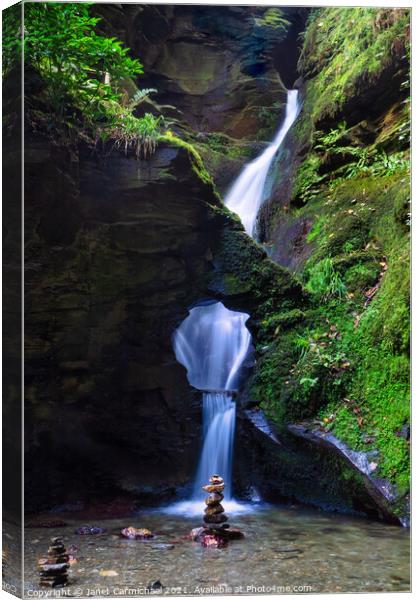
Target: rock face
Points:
(306, 466)
(218, 66)
(116, 252)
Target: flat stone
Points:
(215, 509)
(214, 498)
(216, 479)
(219, 518)
(210, 488)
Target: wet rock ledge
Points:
(304, 464)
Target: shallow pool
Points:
(284, 550)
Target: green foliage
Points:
(274, 18)
(328, 140)
(140, 135)
(80, 67)
(362, 276)
(374, 163)
(325, 281)
(346, 361)
(140, 96)
(346, 48)
(307, 181)
(345, 364)
(11, 38)
(83, 75)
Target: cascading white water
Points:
(212, 343)
(247, 193)
(219, 417)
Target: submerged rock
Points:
(210, 540)
(197, 533)
(90, 530)
(132, 533)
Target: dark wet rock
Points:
(257, 417)
(90, 530)
(404, 432)
(47, 524)
(214, 499)
(215, 532)
(146, 240)
(311, 471)
(155, 587)
(215, 518)
(228, 66)
(214, 511)
(382, 492)
(232, 534)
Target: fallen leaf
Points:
(110, 573)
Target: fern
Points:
(140, 96)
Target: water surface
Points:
(284, 550)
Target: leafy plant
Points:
(12, 35)
(325, 281)
(274, 18)
(140, 135)
(140, 96)
(328, 140)
(80, 68)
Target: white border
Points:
(312, 3)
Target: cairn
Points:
(214, 514)
(215, 532)
(53, 568)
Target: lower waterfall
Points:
(212, 343)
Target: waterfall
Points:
(246, 195)
(219, 416)
(212, 342)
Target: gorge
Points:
(217, 272)
(174, 245)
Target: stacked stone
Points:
(53, 568)
(214, 515)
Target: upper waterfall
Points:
(247, 193)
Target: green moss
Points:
(305, 185)
(362, 276)
(344, 362)
(345, 47)
(196, 160)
